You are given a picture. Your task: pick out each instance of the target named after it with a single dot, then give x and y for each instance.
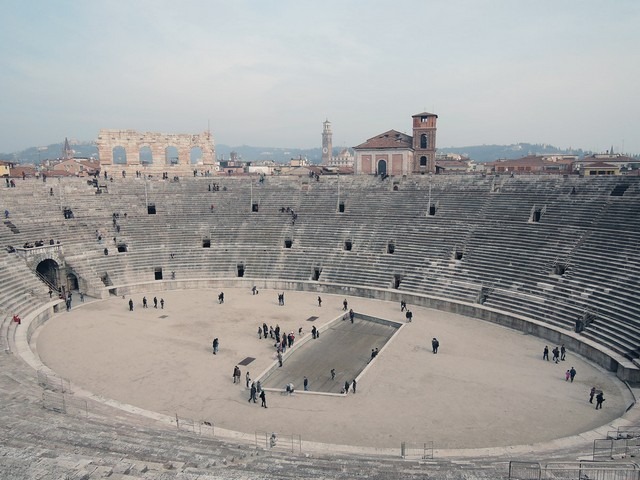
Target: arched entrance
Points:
(72, 281)
(49, 270)
(382, 167)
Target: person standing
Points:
(333, 374)
(144, 302)
(351, 315)
(592, 393)
(545, 353)
(130, 305)
(344, 305)
(306, 384)
(248, 379)
(279, 358)
(253, 393)
(216, 344)
(599, 400)
(162, 303)
(353, 385)
(319, 301)
(434, 345)
(155, 302)
(346, 386)
(263, 397)
(563, 352)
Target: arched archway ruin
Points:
(132, 141)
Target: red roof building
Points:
(533, 164)
(396, 153)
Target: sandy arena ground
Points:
(487, 387)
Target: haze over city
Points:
(269, 73)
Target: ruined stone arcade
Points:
(133, 142)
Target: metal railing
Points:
(277, 441)
(416, 450)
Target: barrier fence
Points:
(61, 403)
(416, 450)
(276, 441)
(583, 470)
(199, 427)
(612, 448)
(51, 382)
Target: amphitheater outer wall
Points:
(624, 369)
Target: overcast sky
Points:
(268, 73)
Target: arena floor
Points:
(487, 387)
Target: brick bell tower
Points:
(327, 143)
(424, 142)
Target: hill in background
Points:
(479, 153)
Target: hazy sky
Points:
(268, 73)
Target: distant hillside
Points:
(489, 153)
(88, 149)
(479, 153)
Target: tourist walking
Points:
(599, 400)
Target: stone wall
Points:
(132, 141)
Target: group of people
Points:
(155, 303)
(38, 243)
(145, 303)
(256, 391)
(559, 354)
(289, 210)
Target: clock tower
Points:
(327, 143)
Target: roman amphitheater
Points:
(495, 267)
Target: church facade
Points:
(396, 153)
